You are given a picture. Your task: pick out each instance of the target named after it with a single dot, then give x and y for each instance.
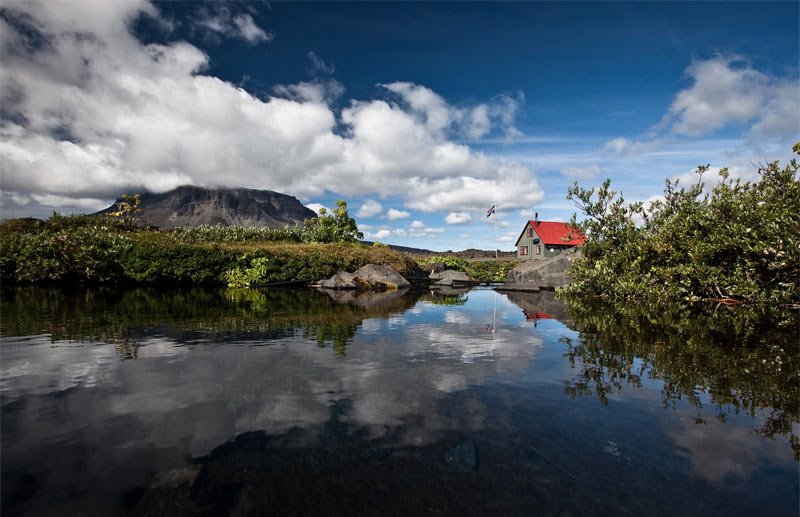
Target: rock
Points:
(448, 277)
(341, 280)
(540, 274)
(381, 277)
(369, 277)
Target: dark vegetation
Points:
(744, 358)
(738, 243)
(480, 270)
(105, 250)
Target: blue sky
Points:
(420, 115)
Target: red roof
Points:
(555, 233)
(538, 316)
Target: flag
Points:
(491, 211)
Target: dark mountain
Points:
(194, 206)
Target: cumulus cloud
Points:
(476, 122)
(90, 112)
(725, 90)
(419, 229)
(394, 214)
(458, 218)
(380, 234)
(370, 208)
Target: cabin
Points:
(546, 239)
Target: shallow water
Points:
(198, 402)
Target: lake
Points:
(218, 402)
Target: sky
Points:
(420, 115)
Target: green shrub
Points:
(220, 234)
(310, 262)
(738, 243)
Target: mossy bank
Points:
(102, 250)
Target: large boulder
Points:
(341, 280)
(381, 277)
(540, 274)
(449, 277)
(369, 277)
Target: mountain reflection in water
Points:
(295, 402)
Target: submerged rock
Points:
(370, 277)
(449, 277)
(341, 280)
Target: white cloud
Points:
(585, 173)
(370, 208)
(381, 234)
(319, 66)
(511, 187)
(434, 111)
(725, 90)
(622, 146)
(426, 232)
(478, 124)
(219, 20)
(458, 218)
(248, 30)
(509, 237)
(316, 207)
(419, 229)
(394, 214)
(96, 113)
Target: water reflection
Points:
(722, 363)
(215, 402)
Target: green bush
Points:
(68, 249)
(338, 227)
(220, 234)
(310, 263)
(738, 243)
(478, 270)
(101, 249)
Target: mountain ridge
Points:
(194, 206)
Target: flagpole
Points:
(495, 233)
(494, 316)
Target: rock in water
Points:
(341, 280)
(449, 277)
(369, 277)
(195, 206)
(540, 274)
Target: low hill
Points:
(195, 206)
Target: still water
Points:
(146, 402)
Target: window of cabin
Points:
(538, 250)
(523, 250)
(530, 233)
